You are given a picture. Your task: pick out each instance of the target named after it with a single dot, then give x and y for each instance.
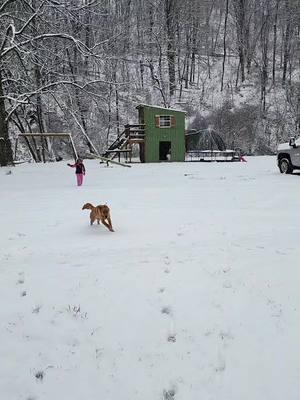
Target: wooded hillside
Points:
(82, 66)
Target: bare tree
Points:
(224, 44)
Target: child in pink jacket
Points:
(80, 170)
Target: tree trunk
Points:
(264, 55)
(286, 43)
(74, 72)
(275, 42)
(6, 154)
(239, 6)
(170, 16)
(224, 45)
(193, 50)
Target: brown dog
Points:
(99, 213)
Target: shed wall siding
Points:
(154, 135)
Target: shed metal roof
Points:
(162, 108)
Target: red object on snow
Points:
(242, 159)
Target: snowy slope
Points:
(195, 296)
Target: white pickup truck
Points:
(288, 156)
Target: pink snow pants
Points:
(79, 179)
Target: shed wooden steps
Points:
(132, 134)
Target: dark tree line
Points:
(82, 65)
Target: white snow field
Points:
(195, 296)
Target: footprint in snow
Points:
(166, 310)
(99, 352)
(39, 375)
(169, 394)
(225, 336)
(20, 234)
(281, 253)
(172, 338)
(20, 281)
(227, 285)
(276, 308)
(167, 260)
(36, 309)
(221, 364)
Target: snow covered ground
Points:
(195, 296)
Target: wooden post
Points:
(108, 160)
(16, 147)
(74, 148)
(43, 149)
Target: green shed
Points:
(159, 133)
(164, 133)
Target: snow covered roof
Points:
(162, 108)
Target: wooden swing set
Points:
(38, 145)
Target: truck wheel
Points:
(285, 166)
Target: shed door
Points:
(164, 151)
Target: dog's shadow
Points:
(96, 229)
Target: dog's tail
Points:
(88, 206)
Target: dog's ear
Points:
(88, 206)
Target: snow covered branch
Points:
(5, 4)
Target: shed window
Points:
(165, 121)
